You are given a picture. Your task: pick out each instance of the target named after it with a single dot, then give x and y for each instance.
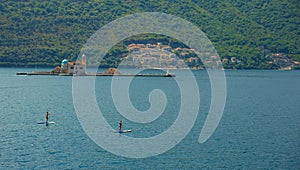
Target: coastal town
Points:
(164, 56)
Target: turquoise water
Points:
(259, 128)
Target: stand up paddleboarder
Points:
(120, 126)
(47, 117)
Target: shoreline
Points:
(93, 74)
(166, 68)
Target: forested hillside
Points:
(42, 33)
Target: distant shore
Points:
(48, 67)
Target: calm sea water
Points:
(259, 128)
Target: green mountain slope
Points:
(44, 32)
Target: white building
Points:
(74, 68)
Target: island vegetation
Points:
(247, 34)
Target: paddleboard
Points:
(124, 131)
(45, 122)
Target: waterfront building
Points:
(74, 68)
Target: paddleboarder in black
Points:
(120, 126)
(47, 118)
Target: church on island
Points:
(72, 67)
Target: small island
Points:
(78, 68)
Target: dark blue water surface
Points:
(259, 128)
